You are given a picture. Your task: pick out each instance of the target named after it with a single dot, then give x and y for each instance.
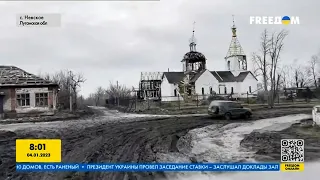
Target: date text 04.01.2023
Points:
(38, 154)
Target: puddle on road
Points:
(231, 135)
(210, 144)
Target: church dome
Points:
(194, 56)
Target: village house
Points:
(196, 80)
(22, 93)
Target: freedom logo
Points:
(292, 155)
(285, 20)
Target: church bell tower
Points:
(193, 61)
(236, 60)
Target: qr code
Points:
(292, 150)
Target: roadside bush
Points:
(252, 100)
(204, 102)
(246, 100)
(168, 104)
(316, 93)
(214, 97)
(261, 97)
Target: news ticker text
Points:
(154, 167)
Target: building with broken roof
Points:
(149, 86)
(195, 79)
(22, 93)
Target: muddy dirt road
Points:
(112, 141)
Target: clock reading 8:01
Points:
(38, 147)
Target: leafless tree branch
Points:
(276, 47)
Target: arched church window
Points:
(202, 91)
(228, 65)
(210, 90)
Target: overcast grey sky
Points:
(110, 41)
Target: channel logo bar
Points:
(292, 167)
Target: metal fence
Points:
(131, 104)
(171, 102)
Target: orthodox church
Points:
(195, 79)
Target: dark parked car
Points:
(229, 110)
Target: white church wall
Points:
(240, 89)
(221, 88)
(248, 82)
(167, 91)
(233, 85)
(230, 85)
(205, 81)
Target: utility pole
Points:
(118, 93)
(70, 91)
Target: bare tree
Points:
(99, 95)
(305, 79)
(75, 82)
(80, 100)
(260, 61)
(90, 100)
(276, 47)
(296, 77)
(69, 83)
(116, 91)
(301, 76)
(286, 76)
(312, 70)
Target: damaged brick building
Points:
(22, 93)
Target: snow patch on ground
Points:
(172, 157)
(109, 116)
(212, 144)
(223, 145)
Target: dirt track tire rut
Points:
(138, 141)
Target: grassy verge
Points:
(63, 115)
(203, 109)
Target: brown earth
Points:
(204, 109)
(64, 115)
(137, 141)
(267, 145)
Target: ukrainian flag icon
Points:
(286, 20)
